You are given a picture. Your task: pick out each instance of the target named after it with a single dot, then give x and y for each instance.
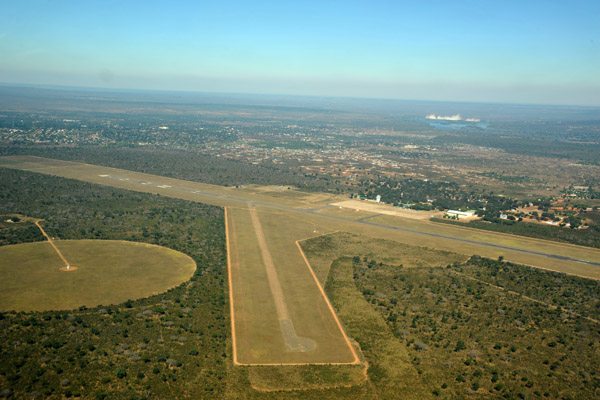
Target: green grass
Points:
(109, 272)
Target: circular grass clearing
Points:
(108, 272)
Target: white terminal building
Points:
(458, 214)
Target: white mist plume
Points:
(456, 117)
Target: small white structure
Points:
(378, 198)
(458, 214)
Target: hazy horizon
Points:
(517, 53)
(247, 95)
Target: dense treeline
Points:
(584, 237)
(429, 195)
(76, 210)
(20, 232)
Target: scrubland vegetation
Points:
(429, 324)
(165, 346)
(482, 328)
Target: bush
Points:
(121, 373)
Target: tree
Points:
(460, 345)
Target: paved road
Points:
(471, 241)
(363, 221)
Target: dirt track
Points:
(54, 246)
(282, 311)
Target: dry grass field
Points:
(347, 213)
(342, 244)
(280, 316)
(387, 209)
(108, 272)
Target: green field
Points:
(108, 272)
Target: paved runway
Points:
(314, 211)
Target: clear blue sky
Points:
(500, 51)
